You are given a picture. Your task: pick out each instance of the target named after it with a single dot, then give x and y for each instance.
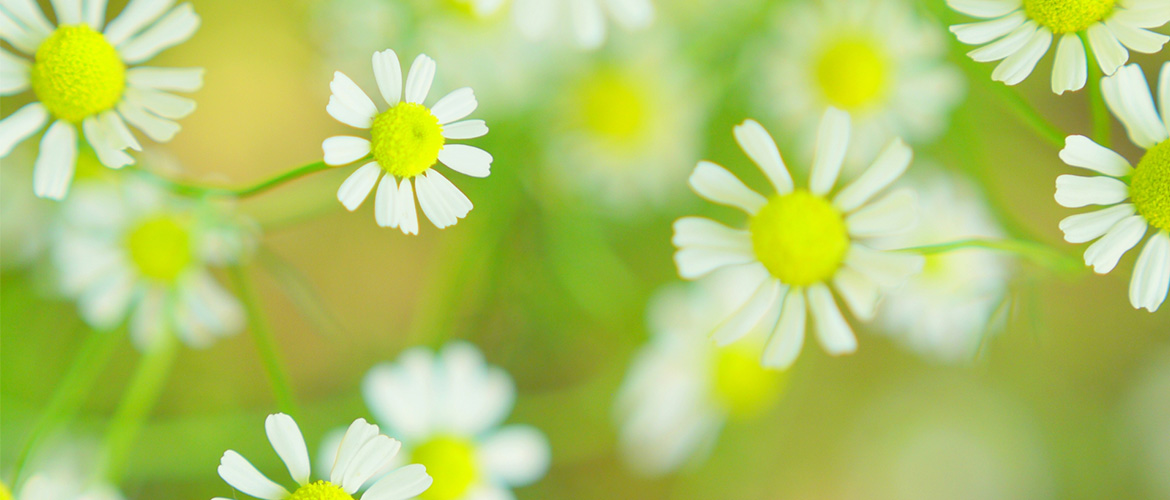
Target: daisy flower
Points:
(586, 19)
(448, 408)
(877, 59)
(944, 312)
(681, 389)
(1138, 199)
(406, 140)
(131, 251)
(86, 75)
(365, 456)
(62, 468)
(798, 242)
(1020, 32)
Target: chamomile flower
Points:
(1138, 198)
(131, 251)
(63, 470)
(877, 59)
(586, 19)
(1020, 32)
(406, 141)
(364, 457)
(945, 312)
(86, 75)
(681, 389)
(798, 242)
(448, 408)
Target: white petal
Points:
(979, 33)
(1164, 94)
(289, 443)
(705, 233)
(455, 200)
(384, 202)
(1089, 226)
(12, 32)
(761, 148)
(535, 18)
(715, 183)
(750, 314)
(1137, 39)
(28, 14)
(349, 104)
(56, 161)
(1104, 254)
(694, 263)
(888, 167)
(358, 185)
(418, 80)
(94, 13)
(1016, 67)
(104, 143)
(241, 475)
(631, 14)
(402, 394)
(388, 74)
(404, 210)
(1109, 51)
(174, 28)
(344, 149)
(356, 436)
(1128, 95)
(516, 455)
(887, 269)
(858, 292)
(161, 103)
(466, 129)
(68, 11)
(158, 129)
(431, 206)
(1151, 274)
(136, 15)
(832, 143)
(895, 212)
(788, 337)
(14, 76)
(105, 304)
(373, 456)
(120, 132)
(1071, 70)
(1006, 46)
(1080, 151)
(467, 160)
(20, 125)
(984, 8)
(174, 79)
(1074, 191)
(455, 106)
(400, 484)
(588, 23)
(832, 330)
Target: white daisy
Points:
(84, 75)
(681, 389)
(1137, 198)
(945, 312)
(448, 409)
(365, 456)
(405, 142)
(129, 250)
(64, 470)
(1020, 32)
(586, 19)
(877, 59)
(799, 241)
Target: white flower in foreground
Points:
(405, 142)
(447, 409)
(945, 312)
(681, 389)
(130, 250)
(1020, 32)
(799, 241)
(585, 19)
(877, 59)
(365, 456)
(1138, 199)
(86, 76)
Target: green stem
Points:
(1036, 252)
(1101, 124)
(70, 393)
(246, 191)
(141, 395)
(265, 344)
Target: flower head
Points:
(586, 19)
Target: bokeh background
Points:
(1071, 400)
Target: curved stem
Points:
(70, 392)
(265, 345)
(149, 379)
(1036, 252)
(246, 191)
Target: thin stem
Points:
(1101, 124)
(265, 344)
(246, 191)
(71, 391)
(1036, 252)
(141, 395)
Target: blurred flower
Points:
(1147, 188)
(625, 127)
(1020, 32)
(945, 312)
(541, 19)
(129, 249)
(800, 240)
(80, 78)
(364, 454)
(405, 142)
(876, 59)
(447, 408)
(65, 469)
(681, 388)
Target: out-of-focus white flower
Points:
(62, 469)
(584, 20)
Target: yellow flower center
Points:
(451, 463)
(160, 247)
(614, 106)
(1150, 187)
(77, 73)
(406, 139)
(742, 385)
(800, 238)
(1068, 16)
(853, 72)
(320, 490)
